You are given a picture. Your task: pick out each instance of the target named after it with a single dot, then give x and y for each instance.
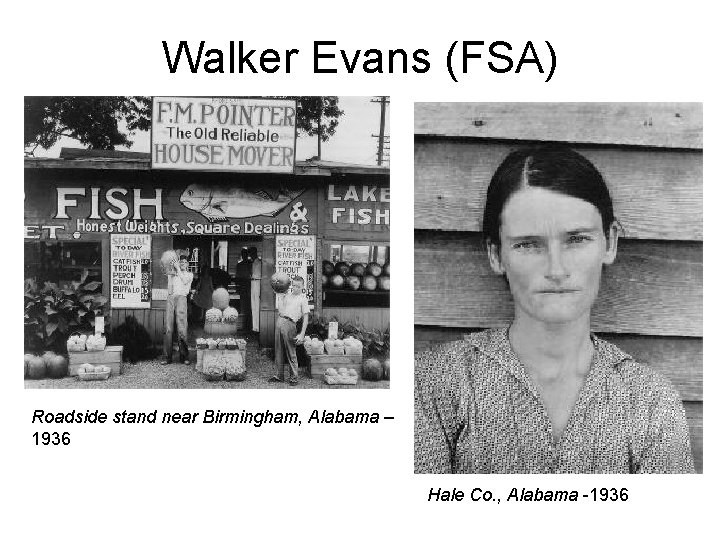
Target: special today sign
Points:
(223, 134)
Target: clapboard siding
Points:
(671, 125)
(679, 359)
(152, 319)
(653, 288)
(375, 318)
(656, 194)
(694, 414)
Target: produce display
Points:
(220, 298)
(356, 276)
(386, 369)
(35, 367)
(214, 368)
(213, 315)
(95, 343)
(89, 372)
(76, 342)
(340, 376)
(56, 365)
(230, 314)
(235, 369)
(372, 370)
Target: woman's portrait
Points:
(537, 389)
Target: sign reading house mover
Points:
(223, 134)
(130, 271)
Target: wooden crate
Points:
(111, 357)
(320, 362)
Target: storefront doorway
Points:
(217, 261)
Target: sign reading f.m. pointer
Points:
(228, 134)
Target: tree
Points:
(96, 121)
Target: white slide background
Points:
(207, 481)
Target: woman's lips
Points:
(557, 291)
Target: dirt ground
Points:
(151, 374)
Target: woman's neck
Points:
(551, 351)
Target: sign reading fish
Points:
(220, 203)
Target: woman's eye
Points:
(579, 238)
(528, 244)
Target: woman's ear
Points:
(493, 253)
(612, 243)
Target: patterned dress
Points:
(477, 411)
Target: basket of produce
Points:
(95, 343)
(76, 342)
(340, 376)
(214, 368)
(89, 372)
(235, 368)
(352, 345)
(231, 344)
(313, 345)
(201, 343)
(334, 346)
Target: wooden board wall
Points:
(650, 155)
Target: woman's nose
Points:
(556, 269)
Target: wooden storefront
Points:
(650, 155)
(83, 197)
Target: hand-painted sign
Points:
(218, 203)
(195, 209)
(353, 207)
(295, 255)
(228, 134)
(130, 270)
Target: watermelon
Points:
(369, 283)
(386, 369)
(357, 269)
(280, 282)
(352, 283)
(342, 268)
(372, 370)
(230, 314)
(213, 315)
(386, 269)
(56, 366)
(220, 298)
(374, 269)
(384, 283)
(337, 281)
(36, 368)
(324, 280)
(328, 268)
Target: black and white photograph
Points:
(558, 288)
(206, 242)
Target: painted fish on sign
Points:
(219, 203)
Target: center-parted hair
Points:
(552, 167)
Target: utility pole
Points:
(384, 101)
(319, 129)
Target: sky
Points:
(352, 143)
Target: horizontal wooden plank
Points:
(679, 359)
(654, 288)
(671, 125)
(694, 413)
(656, 194)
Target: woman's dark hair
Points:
(553, 167)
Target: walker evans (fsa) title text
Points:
(235, 57)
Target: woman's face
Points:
(552, 251)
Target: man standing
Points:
(255, 288)
(292, 306)
(179, 281)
